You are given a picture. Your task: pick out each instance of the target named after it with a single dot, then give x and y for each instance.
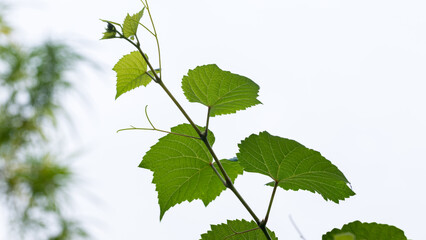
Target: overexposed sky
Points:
(346, 78)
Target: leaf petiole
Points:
(207, 122)
(158, 130)
(147, 29)
(270, 203)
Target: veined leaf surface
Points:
(236, 230)
(131, 73)
(224, 92)
(131, 23)
(293, 166)
(367, 231)
(182, 170)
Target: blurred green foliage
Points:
(33, 180)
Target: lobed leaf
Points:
(365, 231)
(293, 166)
(222, 91)
(131, 73)
(236, 230)
(131, 23)
(182, 170)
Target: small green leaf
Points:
(222, 91)
(236, 230)
(366, 231)
(131, 23)
(110, 32)
(293, 166)
(182, 170)
(108, 35)
(131, 73)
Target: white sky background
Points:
(346, 78)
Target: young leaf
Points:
(182, 171)
(108, 35)
(131, 23)
(236, 230)
(131, 73)
(368, 231)
(222, 91)
(293, 166)
(110, 32)
(107, 21)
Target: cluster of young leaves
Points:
(183, 163)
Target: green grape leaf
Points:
(344, 236)
(182, 170)
(366, 231)
(293, 166)
(131, 73)
(222, 91)
(236, 230)
(131, 23)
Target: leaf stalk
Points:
(265, 220)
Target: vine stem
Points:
(228, 182)
(226, 179)
(156, 37)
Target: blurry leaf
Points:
(131, 73)
(15, 61)
(236, 230)
(5, 29)
(222, 91)
(366, 231)
(182, 170)
(33, 182)
(293, 166)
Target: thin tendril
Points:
(147, 117)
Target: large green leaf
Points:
(131, 73)
(366, 231)
(222, 91)
(293, 166)
(131, 23)
(182, 170)
(236, 230)
(344, 236)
